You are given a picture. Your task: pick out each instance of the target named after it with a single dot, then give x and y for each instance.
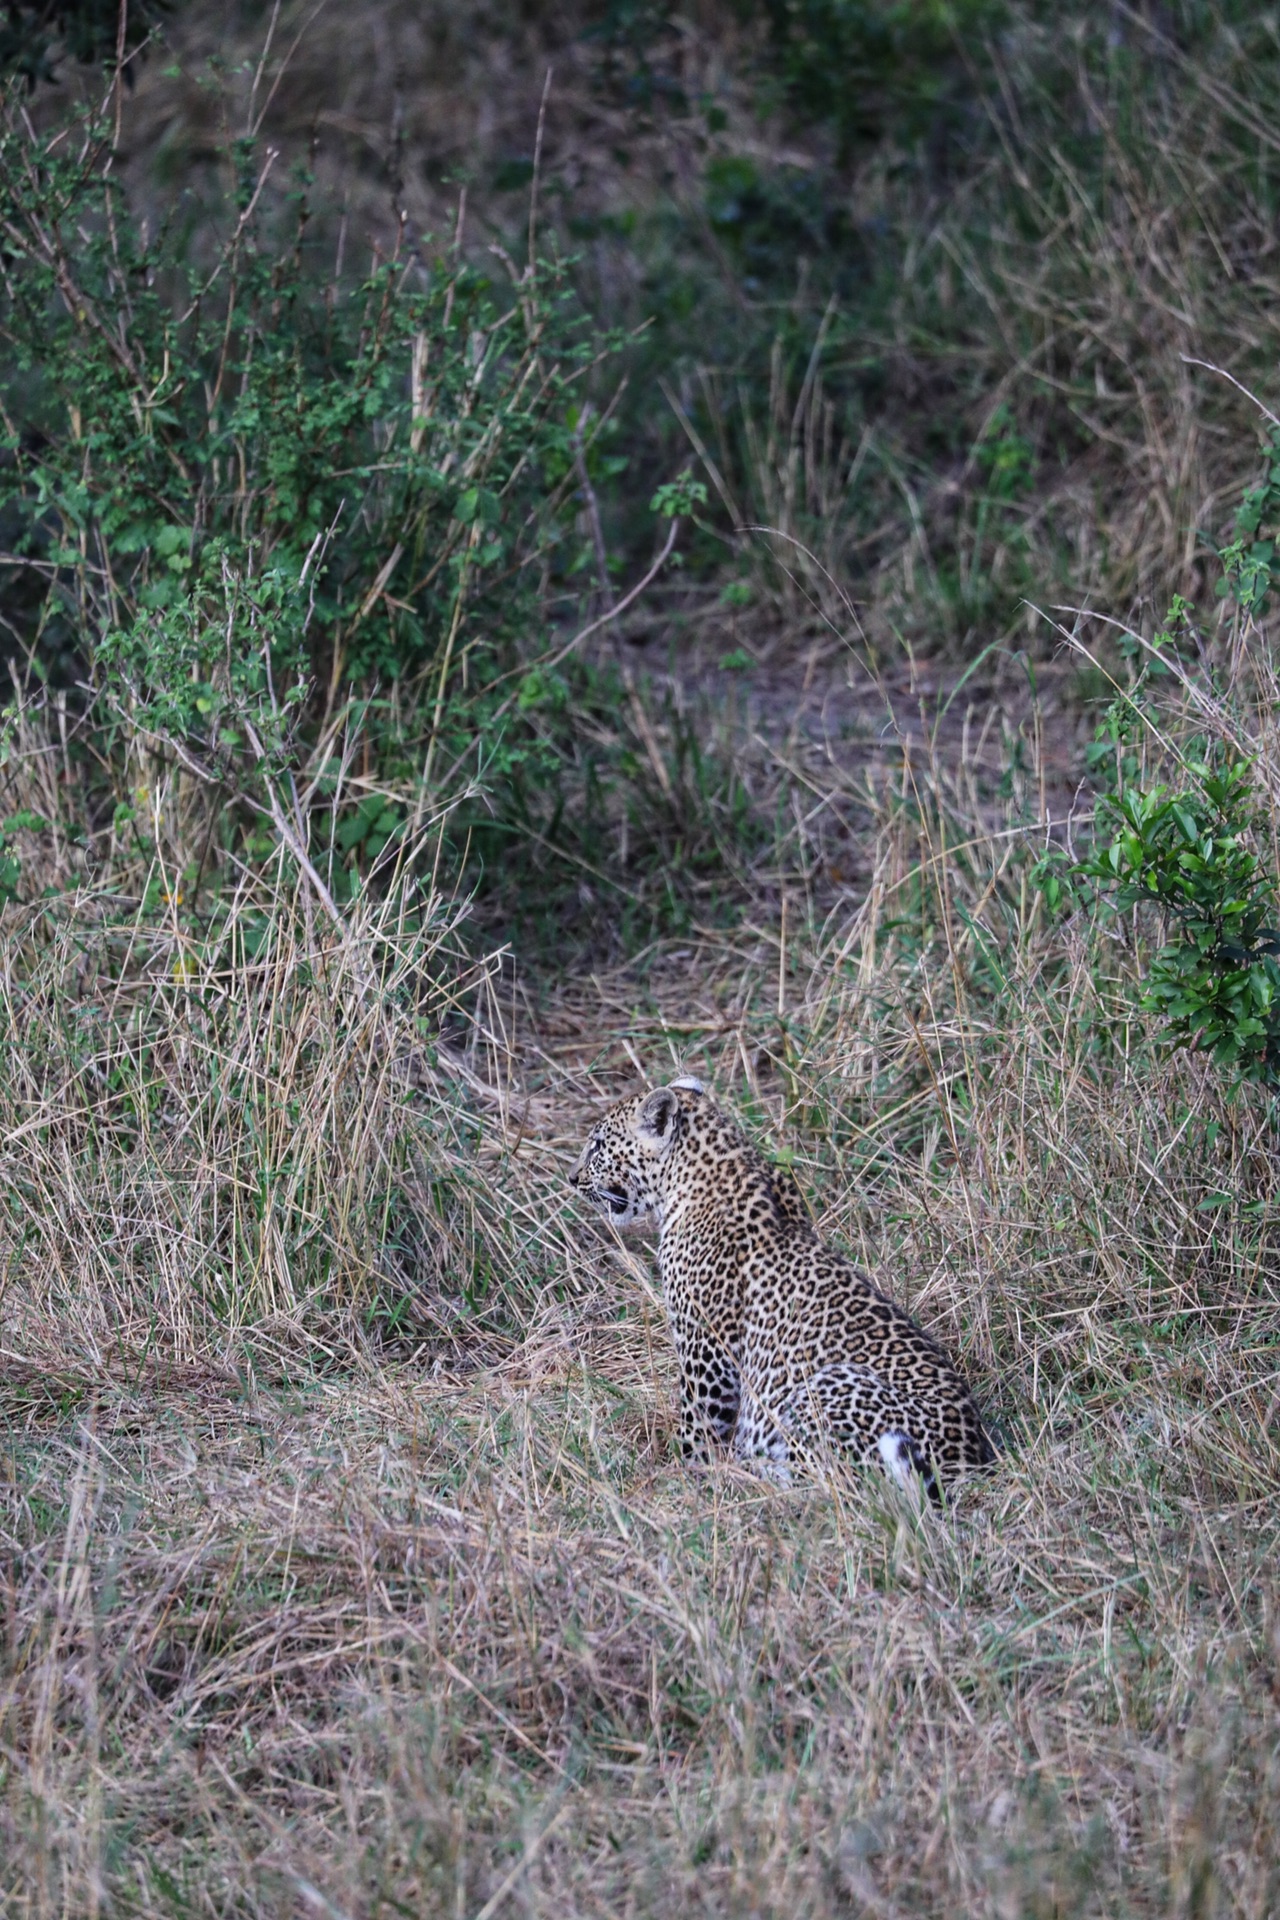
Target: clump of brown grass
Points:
(233, 1112)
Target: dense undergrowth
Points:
(344, 1564)
(929, 320)
(278, 505)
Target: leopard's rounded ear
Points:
(656, 1125)
(690, 1083)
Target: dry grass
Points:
(380, 1639)
(1068, 302)
(344, 1566)
(350, 1572)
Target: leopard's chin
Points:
(617, 1205)
(610, 1200)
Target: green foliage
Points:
(251, 508)
(1193, 854)
(871, 67)
(767, 218)
(589, 811)
(1251, 564)
(678, 496)
(10, 865)
(867, 68)
(202, 670)
(1195, 850)
(174, 422)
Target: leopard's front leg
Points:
(709, 1398)
(706, 1328)
(760, 1442)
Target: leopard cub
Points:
(782, 1343)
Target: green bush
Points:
(252, 509)
(175, 421)
(1192, 853)
(1200, 850)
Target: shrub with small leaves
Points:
(1198, 851)
(1193, 853)
(250, 505)
(165, 418)
(1251, 564)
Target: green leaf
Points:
(679, 496)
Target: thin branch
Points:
(627, 600)
(1189, 360)
(537, 169)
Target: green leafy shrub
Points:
(1251, 564)
(1199, 850)
(1192, 852)
(173, 419)
(252, 509)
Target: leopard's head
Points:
(620, 1170)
